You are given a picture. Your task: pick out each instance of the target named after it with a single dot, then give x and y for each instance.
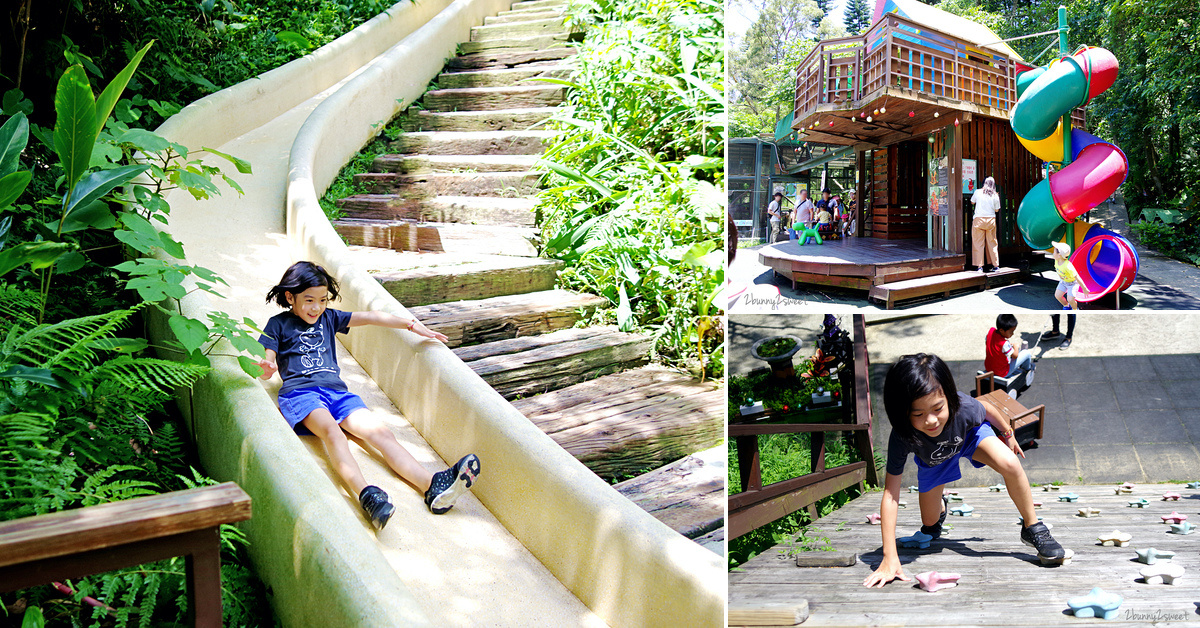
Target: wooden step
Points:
(500, 77)
(503, 184)
(688, 495)
(516, 43)
(421, 278)
(439, 237)
(510, 316)
(940, 285)
(423, 164)
(553, 25)
(507, 58)
(474, 143)
(502, 120)
(461, 209)
(623, 424)
(493, 98)
(525, 15)
(536, 364)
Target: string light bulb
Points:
(883, 110)
(868, 118)
(912, 113)
(936, 114)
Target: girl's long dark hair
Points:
(300, 277)
(911, 378)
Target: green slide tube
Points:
(1038, 219)
(1063, 87)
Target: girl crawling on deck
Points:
(939, 425)
(313, 399)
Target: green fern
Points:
(100, 488)
(19, 306)
(163, 376)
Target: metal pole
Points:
(1064, 50)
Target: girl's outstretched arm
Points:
(383, 319)
(890, 569)
(1003, 430)
(268, 365)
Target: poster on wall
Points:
(939, 188)
(970, 176)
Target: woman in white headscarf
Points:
(983, 227)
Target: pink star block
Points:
(1171, 496)
(1174, 517)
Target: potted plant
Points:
(777, 352)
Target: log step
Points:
(500, 77)
(493, 98)
(460, 209)
(626, 423)
(511, 316)
(438, 237)
(474, 143)
(554, 25)
(536, 364)
(526, 15)
(501, 120)
(687, 495)
(515, 43)
(507, 58)
(503, 184)
(424, 164)
(420, 279)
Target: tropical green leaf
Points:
(242, 165)
(12, 185)
(14, 135)
(75, 131)
(148, 141)
(37, 254)
(33, 618)
(294, 39)
(70, 262)
(108, 98)
(120, 345)
(190, 332)
(96, 215)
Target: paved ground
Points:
(1162, 283)
(1122, 402)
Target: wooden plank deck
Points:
(1002, 581)
(858, 263)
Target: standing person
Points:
(804, 210)
(776, 213)
(830, 202)
(314, 399)
(1068, 281)
(1055, 333)
(940, 425)
(983, 227)
(849, 222)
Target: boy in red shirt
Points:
(1004, 358)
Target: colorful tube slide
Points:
(1105, 260)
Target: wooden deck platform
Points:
(1002, 581)
(858, 263)
(941, 285)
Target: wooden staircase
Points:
(448, 227)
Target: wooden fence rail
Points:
(757, 505)
(75, 543)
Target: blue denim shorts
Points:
(299, 403)
(932, 477)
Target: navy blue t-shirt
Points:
(305, 353)
(934, 451)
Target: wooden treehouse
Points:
(920, 96)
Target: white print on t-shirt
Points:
(945, 451)
(312, 346)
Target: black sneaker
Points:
(377, 505)
(1065, 343)
(447, 486)
(1038, 536)
(935, 530)
(1050, 335)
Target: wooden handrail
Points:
(74, 543)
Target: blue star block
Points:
(962, 510)
(918, 540)
(1096, 603)
(1151, 555)
(1069, 497)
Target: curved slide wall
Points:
(305, 120)
(1105, 261)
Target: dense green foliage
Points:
(857, 16)
(344, 184)
(782, 457)
(634, 203)
(761, 386)
(203, 45)
(762, 63)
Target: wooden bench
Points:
(1027, 423)
(85, 541)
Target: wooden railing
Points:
(757, 505)
(899, 52)
(74, 543)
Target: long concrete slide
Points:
(1105, 261)
(540, 540)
